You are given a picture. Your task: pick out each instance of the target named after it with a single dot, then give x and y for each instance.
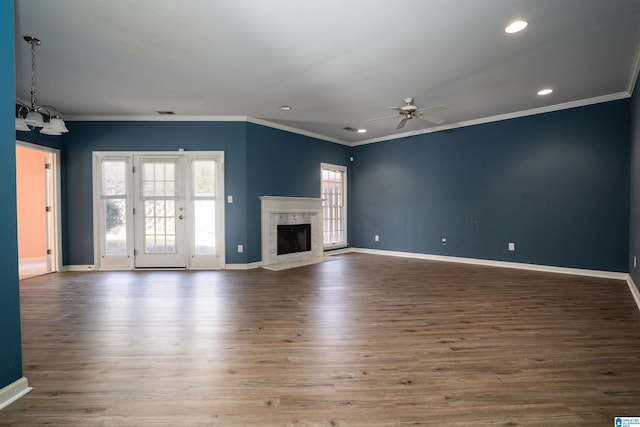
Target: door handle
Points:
(181, 217)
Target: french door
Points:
(159, 210)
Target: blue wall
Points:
(85, 137)
(10, 345)
(281, 163)
(556, 184)
(258, 161)
(634, 224)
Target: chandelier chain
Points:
(33, 76)
(54, 125)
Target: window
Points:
(334, 205)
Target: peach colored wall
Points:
(32, 227)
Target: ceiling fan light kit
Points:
(34, 118)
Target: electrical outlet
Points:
(376, 238)
(512, 247)
(444, 241)
(240, 248)
(229, 199)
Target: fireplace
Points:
(291, 232)
(294, 238)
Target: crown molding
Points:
(201, 118)
(448, 126)
(500, 117)
(153, 118)
(279, 126)
(635, 70)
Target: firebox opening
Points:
(294, 238)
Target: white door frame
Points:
(128, 262)
(52, 191)
(177, 259)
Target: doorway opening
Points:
(37, 205)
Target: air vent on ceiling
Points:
(166, 113)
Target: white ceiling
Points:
(337, 63)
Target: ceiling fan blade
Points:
(430, 118)
(434, 107)
(402, 123)
(382, 118)
(395, 108)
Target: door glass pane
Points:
(158, 184)
(149, 244)
(115, 227)
(170, 188)
(170, 206)
(205, 230)
(149, 208)
(158, 179)
(113, 177)
(156, 232)
(204, 178)
(159, 172)
(171, 244)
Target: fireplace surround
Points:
(290, 211)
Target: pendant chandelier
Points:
(34, 118)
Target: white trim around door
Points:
(158, 210)
(53, 210)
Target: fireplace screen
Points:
(294, 238)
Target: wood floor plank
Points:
(363, 340)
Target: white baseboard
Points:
(503, 264)
(14, 391)
(517, 265)
(444, 258)
(226, 267)
(249, 266)
(341, 251)
(634, 290)
(34, 259)
(88, 267)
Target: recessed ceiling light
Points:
(285, 108)
(545, 91)
(516, 27)
(362, 131)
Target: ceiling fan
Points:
(410, 111)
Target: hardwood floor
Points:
(362, 340)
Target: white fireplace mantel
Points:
(277, 210)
